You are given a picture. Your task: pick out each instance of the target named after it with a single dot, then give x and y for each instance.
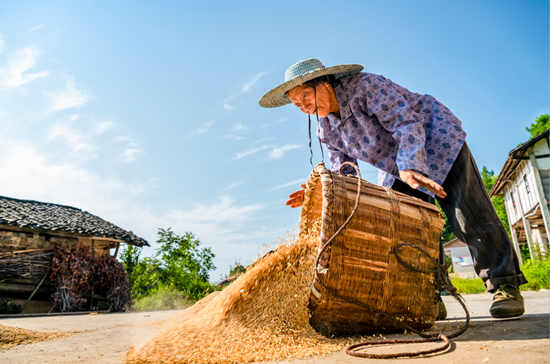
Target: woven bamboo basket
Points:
(360, 266)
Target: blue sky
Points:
(147, 115)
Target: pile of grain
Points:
(263, 315)
(14, 336)
(174, 321)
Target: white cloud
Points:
(281, 120)
(233, 185)
(1, 44)
(102, 127)
(13, 75)
(201, 130)
(221, 211)
(247, 86)
(297, 183)
(123, 138)
(130, 154)
(263, 140)
(277, 153)
(72, 137)
(244, 89)
(40, 169)
(240, 127)
(69, 97)
(221, 224)
(251, 151)
(76, 140)
(232, 136)
(35, 28)
(64, 183)
(84, 139)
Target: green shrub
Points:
(8, 307)
(536, 272)
(164, 298)
(468, 285)
(524, 251)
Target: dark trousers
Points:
(474, 221)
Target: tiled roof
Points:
(53, 217)
(455, 243)
(514, 158)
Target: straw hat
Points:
(300, 73)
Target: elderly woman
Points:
(419, 147)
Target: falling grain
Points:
(261, 316)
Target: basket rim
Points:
(320, 172)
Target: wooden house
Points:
(29, 232)
(461, 257)
(524, 183)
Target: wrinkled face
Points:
(303, 96)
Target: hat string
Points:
(310, 150)
(309, 122)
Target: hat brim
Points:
(277, 97)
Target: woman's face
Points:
(303, 96)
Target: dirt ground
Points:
(105, 338)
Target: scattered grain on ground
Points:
(13, 336)
(261, 316)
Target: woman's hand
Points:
(415, 180)
(296, 199)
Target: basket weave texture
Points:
(360, 264)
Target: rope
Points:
(440, 270)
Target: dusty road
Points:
(105, 338)
(101, 339)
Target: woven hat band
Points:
(302, 67)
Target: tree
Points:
(129, 257)
(236, 270)
(178, 264)
(541, 124)
(184, 266)
(143, 273)
(447, 234)
(489, 180)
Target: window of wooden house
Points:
(526, 183)
(512, 197)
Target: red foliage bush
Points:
(111, 281)
(75, 273)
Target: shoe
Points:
(441, 310)
(507, 302)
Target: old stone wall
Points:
(11, 241)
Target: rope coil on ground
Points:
(440, 270)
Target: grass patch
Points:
(468, 285)
(162, 299)
(537, 273)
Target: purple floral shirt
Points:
(391, 128)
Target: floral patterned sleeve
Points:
(337, 158)
(395, 113)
